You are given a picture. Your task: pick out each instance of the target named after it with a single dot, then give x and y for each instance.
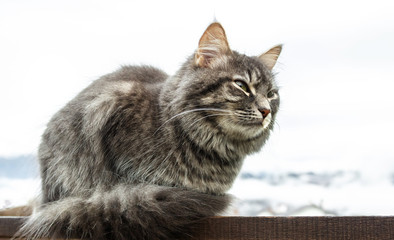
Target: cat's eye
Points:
(271, 94)
(243, 85)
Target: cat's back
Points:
(143, 74)
(128, 83)
(128, 80)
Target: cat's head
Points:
(224, 91)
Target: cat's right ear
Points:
(270, 57)
(213, 44)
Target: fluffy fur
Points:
(139, 154)
(126, 212)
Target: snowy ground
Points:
(281, 194)
(340, 193)
(16, 192)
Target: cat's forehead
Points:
(250, 70)
(250, 75)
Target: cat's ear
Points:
(213, 44)
(270, 57)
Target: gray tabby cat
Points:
(139, 154)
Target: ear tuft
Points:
(212, 45)
(270, 57)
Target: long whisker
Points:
(246, 115)
(277, 124)
(191, 111)
(211, 115)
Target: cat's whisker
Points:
(211, 115)
(191, 111)
(247, 116)
(277, 124)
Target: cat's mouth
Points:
(258, 122)
(254, 122)
(267, 121)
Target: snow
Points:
(17, 192)
(279, 194)
(345, 198)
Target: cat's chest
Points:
(206, 172)
(205, 164)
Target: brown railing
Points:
(281, 228)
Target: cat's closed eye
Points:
(242, 85)
(272, 94)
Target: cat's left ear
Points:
(270, 57)
(213, 44)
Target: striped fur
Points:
(139, 154)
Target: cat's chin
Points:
(247, 132)
(256, 124)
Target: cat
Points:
(139, 154)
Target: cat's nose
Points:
(264, 112)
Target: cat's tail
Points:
(126, 212)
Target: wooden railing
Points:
(281, 228)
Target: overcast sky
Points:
(336, 70)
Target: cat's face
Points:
(227, 92)
(238, 96)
